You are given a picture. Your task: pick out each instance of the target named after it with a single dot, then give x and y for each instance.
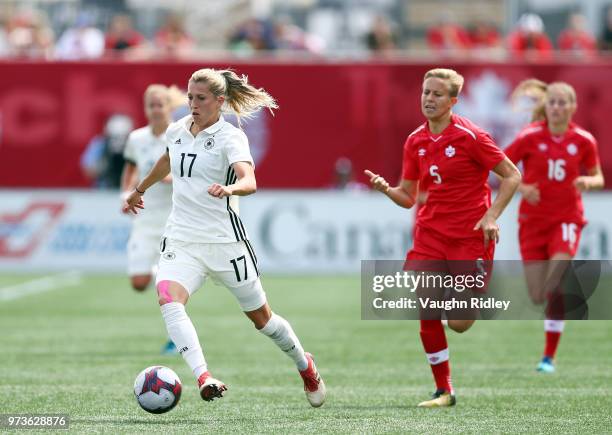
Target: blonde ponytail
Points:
(241, 98)
(536, 90)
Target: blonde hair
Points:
(564, 87)
(177, 97)
(455, 80)
(534, 88)
(156, 89)
(241, 98)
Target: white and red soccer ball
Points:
(157, 389)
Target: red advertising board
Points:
(363, 111)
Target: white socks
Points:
(183, 334)
(279, 330)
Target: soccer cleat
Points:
(546, 365)
(169, 348)
(439, 399)
(313, 384)
(210, 388)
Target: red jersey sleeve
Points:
(515, 151)
(590, 158)
(410, 166)
(486, 152)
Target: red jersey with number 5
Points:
(453, 167)
(553, 163)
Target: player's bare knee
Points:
(260, 317)
(460, 326)
(538, 297)
(140, 283)
(460, 329)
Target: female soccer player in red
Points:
(553, 152)
(450, 158)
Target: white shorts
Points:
(142, 252)
(232, 264)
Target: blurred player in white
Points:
(143, 148)
(211, 164)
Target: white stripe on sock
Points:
(438, 357)
(554, 325)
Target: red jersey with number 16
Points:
(553, 163)
(453, 167)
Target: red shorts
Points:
(430, 245)
(541, 240)
(434, 252)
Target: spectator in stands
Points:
(251, 36)
(30, 36)
(4, 44)
(172, 40)
(381, 37)
(576, 39)
(121, 36)
(82, 41)
(103, 161)
(483, 35)
(605, 41)
(447, 36)
(529, 40)
(344, 176)
(289, 36)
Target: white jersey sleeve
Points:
(237, 148)
(129, 153)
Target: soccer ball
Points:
(157, 389)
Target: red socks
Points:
(554, 324)
(553, 329)
(434, 343)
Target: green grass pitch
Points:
(77, 350)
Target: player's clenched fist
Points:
(377, 182)
(219, 191)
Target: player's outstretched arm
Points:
(403, 195)
(510, 180)
(246, 184)
(159, 171)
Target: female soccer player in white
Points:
(143, 148)
(211, 164)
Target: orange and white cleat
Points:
(313, 384)
(210, 388)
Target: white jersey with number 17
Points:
(196, 163)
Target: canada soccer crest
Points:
(542, 147)
(449, 151)
(572, 149)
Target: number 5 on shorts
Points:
(235, 264)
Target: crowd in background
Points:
(28, 34)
